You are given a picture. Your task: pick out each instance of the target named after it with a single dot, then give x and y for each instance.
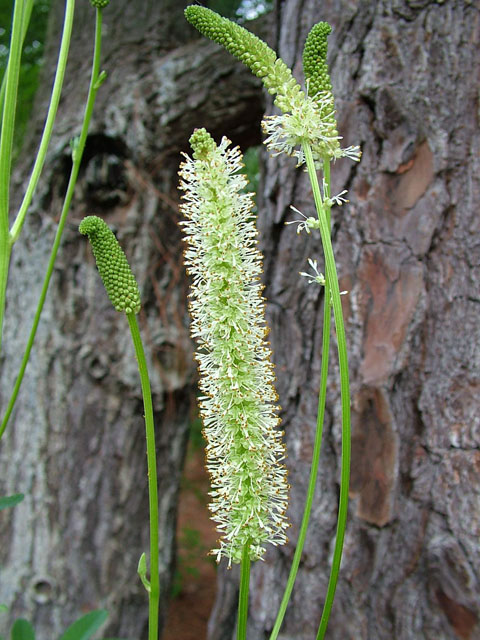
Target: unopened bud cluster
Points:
(244, 444)
(112, 264)
(99, 4)
(306, 119)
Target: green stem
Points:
(317, 443)
(27, 12)
(48, 128)
(332, 279)
(77, 158)
(8, 116)
(6, 141)
(243, 595)
(154, 591)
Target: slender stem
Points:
(6, 141)
(317, 443)
(27, 12)
(332, 278)
(48, 128)
(243, 595)
(154, 591)
(8, 116)
(5, 251)
(77, 158)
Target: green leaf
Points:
(22, 630)
(142, 572)
(85, 627)
(11, 501)
(3, 608)
(102, 76)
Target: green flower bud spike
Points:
(253, 52)
(305, 118)
(123, 291)
(112, 265)
(99, 4)
(315, 66)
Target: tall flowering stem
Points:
(307, 130)
(122, 289)
(334, 290)
(244, 447)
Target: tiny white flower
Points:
(317, 277)
(338, 199)
(307, 122)
(353, 153)
(307, 224)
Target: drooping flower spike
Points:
(305, 118)
(244, 445)
(252, 51)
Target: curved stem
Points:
(154, 591)
(77, 157)
(27, 13)
(332, 278)
(51, 114)
(6, 142)
(243, 594)
(9, 107)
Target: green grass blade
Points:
(22, 630)
(11, 501)
(85, 627)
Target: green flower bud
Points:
(112, 264)
(202, 144)
(315, 69)
(315, 66)
(99, 4)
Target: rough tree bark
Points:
(76, 445)
(405, 75)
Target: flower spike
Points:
(315, 66)
(252, 51)
(244, 445)
(112, 264)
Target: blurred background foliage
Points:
(240, 10)
(32, 58)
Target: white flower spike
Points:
(244, 445)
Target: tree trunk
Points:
(76, 444)
(405, 76)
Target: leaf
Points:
(22, 630)
(11, 501)
(142, 571)
(3, 608)
(85, 627)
